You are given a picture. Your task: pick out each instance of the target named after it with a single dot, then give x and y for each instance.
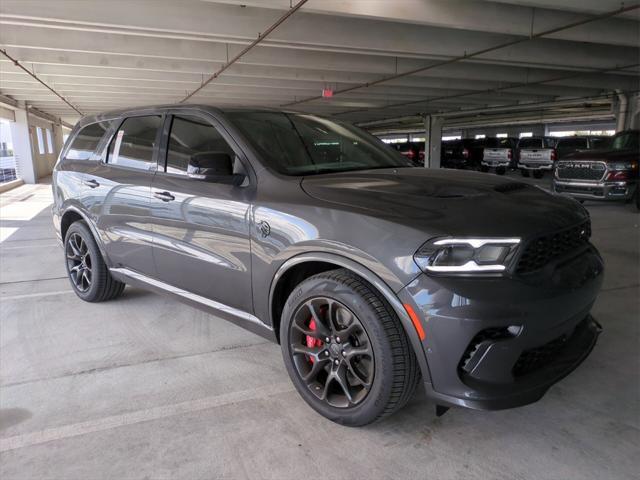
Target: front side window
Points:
(135, 142)
(299, 144)
(86, 141)
(626, 141)
(191, 138)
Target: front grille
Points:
(581, 170)
(496, 333)
(542, 250)
(535, 358)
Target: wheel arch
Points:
(316, 262)
(71, 215)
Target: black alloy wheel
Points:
(332, 352)
(345, 349)
(87, 271)
(78, 262)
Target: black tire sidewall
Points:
(97, 264)
(374, 403)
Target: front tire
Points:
(345, 349)
(88, 274)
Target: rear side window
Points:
(86, 141)
(192, 137)
(135, 142)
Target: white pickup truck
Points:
(498, 154)
(536, 154)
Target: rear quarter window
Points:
(84, 144)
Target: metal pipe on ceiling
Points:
(492, 90)
(468, 56)
(261, 37)
(33, 75)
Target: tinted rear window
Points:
(497, 143)
(86, 142)
(530, 143)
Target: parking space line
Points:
(131, 418)
(34, 295)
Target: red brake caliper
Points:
(313, 342)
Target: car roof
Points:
(151, 109)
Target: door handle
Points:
(164, 196)
(91, 183)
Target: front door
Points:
(201, 228)
(118, 193)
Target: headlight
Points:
(466, 255)
(620, 166)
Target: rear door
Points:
(201, 229)
(77, 158)
(119, 192)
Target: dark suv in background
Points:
(370, 274)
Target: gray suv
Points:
(371, 274)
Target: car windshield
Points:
(300, 144)
(626, 141)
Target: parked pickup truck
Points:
(610, 174)
(498, 154)
(536, 154)
(458, 153)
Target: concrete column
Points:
(633, 111)
(22, 147)
(58, 139)
(433, 132)
(621, 111)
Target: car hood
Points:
(602, 155)
(447, 201)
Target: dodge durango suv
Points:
(373, 275)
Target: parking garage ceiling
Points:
(382, 59)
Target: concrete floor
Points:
(145, 387)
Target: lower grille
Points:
(536, 358)
(581, 171)
(497, 333)
(542, 250)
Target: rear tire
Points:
(538, 174)
(525, 173)
(346, 387)
(88, 274)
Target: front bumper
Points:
(622, 190)
(495, 343)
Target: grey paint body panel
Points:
(208, 247)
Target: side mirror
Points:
(215, 167)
